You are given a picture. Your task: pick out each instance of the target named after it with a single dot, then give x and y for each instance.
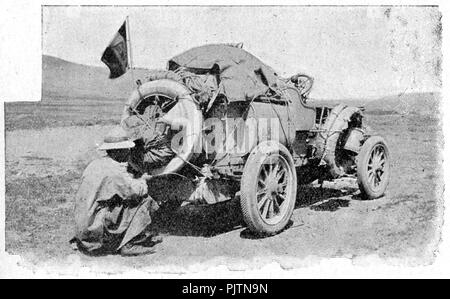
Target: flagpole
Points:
(130, 67)
(130, 51)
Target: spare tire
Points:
(183, 107)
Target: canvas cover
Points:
(241, 74)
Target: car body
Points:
(254, 135)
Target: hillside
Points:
(426, 103)
(63, 79)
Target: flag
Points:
(115, 55)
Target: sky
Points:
(352, 52)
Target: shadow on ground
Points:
(212, 220)
(204, 220)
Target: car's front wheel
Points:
(373, 169)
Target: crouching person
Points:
(112, 208)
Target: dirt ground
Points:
(43, 168)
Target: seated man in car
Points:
(112, 209)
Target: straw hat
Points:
(117, 138)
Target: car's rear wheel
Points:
(373, 169)
(268, 189)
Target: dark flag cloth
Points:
(115, 55)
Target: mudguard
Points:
(327, 140)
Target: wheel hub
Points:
(273, 188)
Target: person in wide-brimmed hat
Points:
(112, 208)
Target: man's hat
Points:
(116, 139)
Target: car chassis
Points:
(287, 140)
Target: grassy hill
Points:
(81, 95)
(62, 79)
(425, 104)
(72, 94)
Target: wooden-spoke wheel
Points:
(164, 98)
(268, 189)
(274, 189)
(373, 167)
(155, 105)
(376, 166)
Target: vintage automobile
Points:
(274, 138)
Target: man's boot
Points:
(135, 250)
(140, 245)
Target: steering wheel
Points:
(303, 83)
